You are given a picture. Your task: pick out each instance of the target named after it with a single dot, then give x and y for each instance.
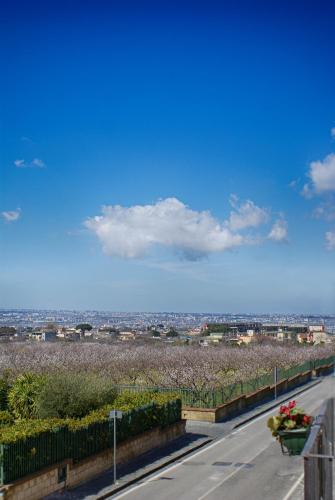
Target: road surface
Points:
(246, 464)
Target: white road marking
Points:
(294, 487)
(231, 475)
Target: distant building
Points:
(232, 329)
(246, 339)
(49, 336)
(314, 335)
(316, 328)
(127, 336)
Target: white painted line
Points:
(231, 474)
(294, 487)
(206, 448)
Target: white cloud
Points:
(35, 163)
(322, 184)
(19, 163)
(322, 175)
(307, 192)
(326, 210)
(330, 240)
(38, 163)
(131, 232)
(278, 231)
(246, 215)
(11, 215)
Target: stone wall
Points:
(50, 480)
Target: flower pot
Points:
(293, 441)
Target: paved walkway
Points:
(198, 435)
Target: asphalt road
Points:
(246, 464)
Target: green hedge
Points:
(29, 445)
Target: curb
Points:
(108, 494)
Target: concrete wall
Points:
(46, 481)
(324, 370)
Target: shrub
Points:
(22, 396)
(6, 418)
(34, 444)
(4, 388)
(164, 409)
(73, 395)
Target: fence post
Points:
(275, 376)
(1, 464)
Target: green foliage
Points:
(73, 395)
(4, 388)
(6, 418)
(32, 444)
(156, 409)
(23, 395)
(84, 327)
(155, 333)
(172, 333)
(274, 423)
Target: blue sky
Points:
(208, 124)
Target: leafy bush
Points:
(22, 397)
(34, 444)
(147, 410)
(6, 418)
(73, 396)
(4, 388)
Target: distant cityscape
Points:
(24, 320)
(37, 317)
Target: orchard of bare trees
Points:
(168, 366)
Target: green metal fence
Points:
(29, 455)
(211, 398)
(323, 362)
(292, 371)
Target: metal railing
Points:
(318, 455)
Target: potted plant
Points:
(291, 427)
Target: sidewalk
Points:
(198, 434)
